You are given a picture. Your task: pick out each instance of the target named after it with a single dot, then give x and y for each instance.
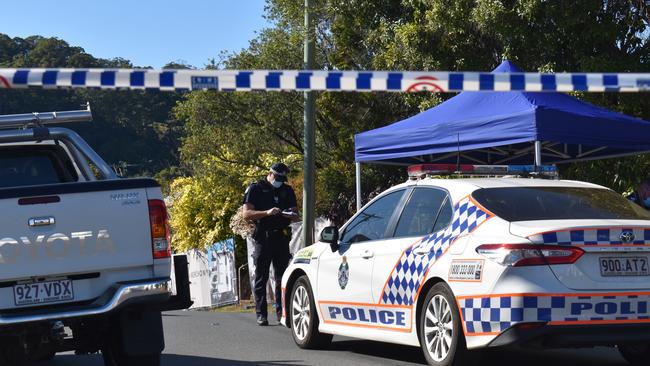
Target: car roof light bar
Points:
(424, 170)
(39, 119)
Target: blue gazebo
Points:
(510, 127)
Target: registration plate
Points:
(43, 292)
(624, 266)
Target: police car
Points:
(457, 265)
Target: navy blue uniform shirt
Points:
(263, 196)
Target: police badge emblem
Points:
(344, 273)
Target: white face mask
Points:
(276, 184)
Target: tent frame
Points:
(538, 162)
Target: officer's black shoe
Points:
(261, 320)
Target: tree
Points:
(130, 129)
(232, 131)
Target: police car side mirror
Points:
(330, 235)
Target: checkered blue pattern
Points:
(603, 236)
(496, 314)
(359, 81)
(405, 280)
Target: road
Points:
(219, 339)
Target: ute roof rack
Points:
(31, 127)
(25, 120)
(420, 171)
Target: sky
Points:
(147, 32)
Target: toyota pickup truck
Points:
(85, 259)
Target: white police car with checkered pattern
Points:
(457, 265)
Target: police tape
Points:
(319, 80)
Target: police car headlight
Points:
(517, 255)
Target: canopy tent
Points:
(512, 127)
(502, 127)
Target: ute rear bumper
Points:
(155, 293)
(152, 291)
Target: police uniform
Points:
(272, 236)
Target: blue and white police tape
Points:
(288, 80)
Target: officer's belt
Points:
(284, 231)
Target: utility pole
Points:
(308, 199)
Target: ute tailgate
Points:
(69, 228)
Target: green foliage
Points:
(200, 211)
(234, 131)
(202, 205)
(131, 130)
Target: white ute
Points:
(457, 265)
(85, 258)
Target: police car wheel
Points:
(635, 354)
(303, 317)
(440, 330)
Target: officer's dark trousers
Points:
(271, 247)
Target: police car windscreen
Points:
(558, 203)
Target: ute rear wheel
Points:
(4, 359)
(135, 338)
(114, 355)
(635, 354)
(440, 330)
(45, 356)
(303, 317)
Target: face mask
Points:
(276, 184)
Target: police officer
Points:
(271, 205)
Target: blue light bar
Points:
(532, 168)
(421, 170)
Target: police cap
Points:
(280, 171)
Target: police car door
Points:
(344, 277)
(397, 271)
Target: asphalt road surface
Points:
(219, 339)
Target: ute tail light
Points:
(160, 232)
(517, 255)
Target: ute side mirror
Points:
(330, 235)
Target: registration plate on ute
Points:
(624, 266)
(43, 292)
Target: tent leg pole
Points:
(357, 170)
(538, 153)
